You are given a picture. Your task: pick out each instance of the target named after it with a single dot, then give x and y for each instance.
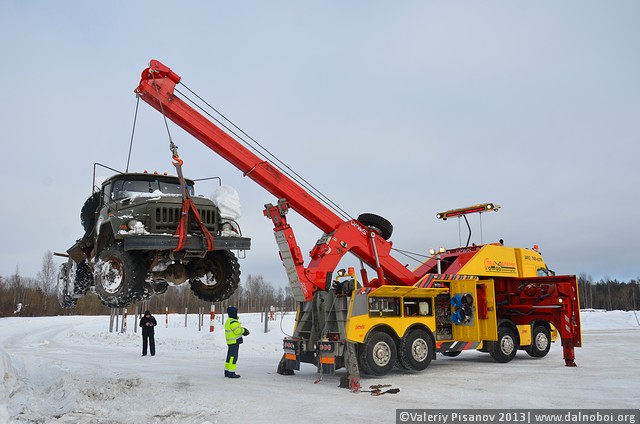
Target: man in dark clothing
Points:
(147, 322)
(233, 333)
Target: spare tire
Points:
(377, 223)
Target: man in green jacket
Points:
(233, 331)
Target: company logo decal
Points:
(499, 266)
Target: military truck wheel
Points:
(119, 277)
(65, 289)
(505, 349)
(377, 223)
(83, 278)
(540, 343)
(221, 277)
(416, 350)
(378, 354)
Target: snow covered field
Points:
(72, 370)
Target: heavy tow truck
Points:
(491, 297)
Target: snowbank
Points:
(600, 319)
(72, 370)
(9, 383)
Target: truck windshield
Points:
(130, 188)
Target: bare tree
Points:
(47, 278)
(47, 274)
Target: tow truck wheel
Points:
(119, 277)
(378, 354)
(221, 278)
(505, 349)
(377, 223)
(64, 290)
(416, 350)
(541, 342)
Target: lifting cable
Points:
(188, 206)
(133, 131)
(262, 151)
(411, 255)
(172, 146)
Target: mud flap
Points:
(282, 369)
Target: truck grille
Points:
(167, 219)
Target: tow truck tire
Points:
(119, 277)
(377, 354)
(377, 223)
(451, 353)
(505, 349)
(221, 278)
(416, 350)
(540, 342)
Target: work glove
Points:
(245, 332)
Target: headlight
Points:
(136, 227)
(229, 229)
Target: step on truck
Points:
(493, 297)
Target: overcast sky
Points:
(403, 109)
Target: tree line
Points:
(609, 294)
(27, 296)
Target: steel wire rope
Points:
(300, 180)
(172, 146)
(408, 254)
(265, 152)
(133, 131)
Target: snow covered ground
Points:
(72, 370)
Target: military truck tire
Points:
(540, 342)
(83, 279)
(119, 277)
(377, 223)
(221, 277)
(505, 349)
(416, 350)
(64, 290)
(378, 354)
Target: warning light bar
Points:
(483, 207)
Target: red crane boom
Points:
(157, 86)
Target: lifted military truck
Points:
(145, 231)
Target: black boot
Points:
(233, 375)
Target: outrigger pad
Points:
(351, 383)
